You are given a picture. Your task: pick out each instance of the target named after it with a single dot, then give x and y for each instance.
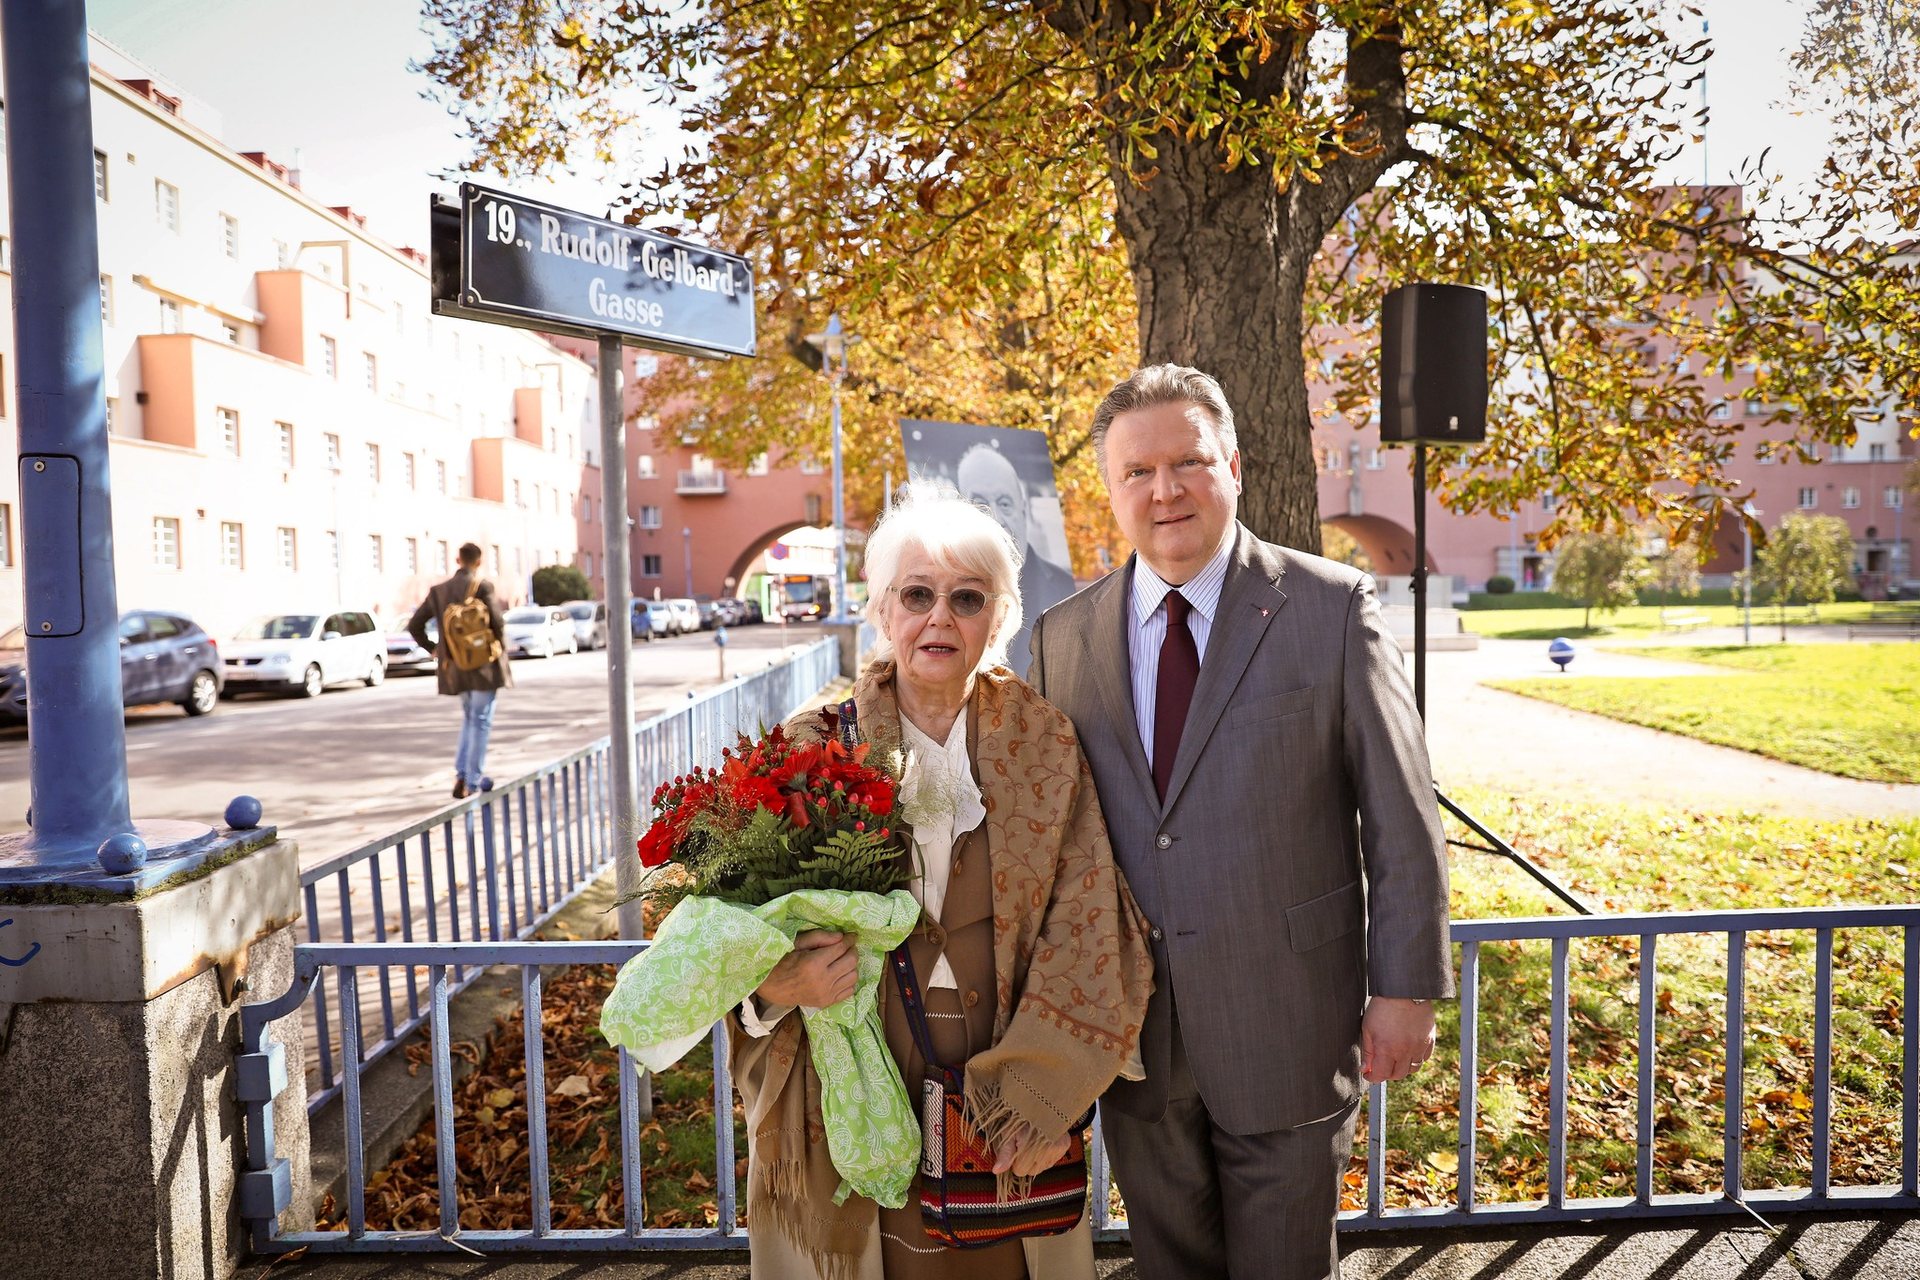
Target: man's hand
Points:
(820, 970)
(1396, 1036)
(1026, 1156)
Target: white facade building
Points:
(291, 428)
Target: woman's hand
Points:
(1026, 1156)
(820, 970)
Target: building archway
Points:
(743, 563)
(1387, 543)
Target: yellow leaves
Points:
(1444, 1161)
(500, 1098)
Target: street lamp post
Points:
(833, 346)
(686, 546)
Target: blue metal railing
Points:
(265, 1185)
(500, 864)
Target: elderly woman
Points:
(1031, 953)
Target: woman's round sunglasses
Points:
(964, 601)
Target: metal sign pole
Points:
(1420, 578)
(77, 761)
(616, 557)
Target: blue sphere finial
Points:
(243, 813)
(1561, 652)
(122, 853)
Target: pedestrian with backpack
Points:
(472, 657)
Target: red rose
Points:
(656, 847)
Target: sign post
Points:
(504, 259)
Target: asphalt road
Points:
(339, 770)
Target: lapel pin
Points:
(1264, 612)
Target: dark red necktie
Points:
(1173, 694)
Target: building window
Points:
(373, 372)
(496, 556)
(586, 508)
(100, 176)
(373, 463)
(166, 542)
(231, 551)
(376, 557)
(406, 469)
(517, 500)
(282, 254)
(1755, 409)
(587, 562)
(440, 555)
(759, 466)
(1549, 501)
(1850, 497)
(810, 466)
(440, 475)
(333, 549)
(285, 430)
(333, 452)
(289, 548)
(413, 555)
(1764, 456)
(6, 535)
(231, 332)
(1890, 497)
(113, 416)
(106, 299)
(649, 517)
(643, 466)
(1807, 498)
(1721, 412)
(169, 316)
(649, 566)
(814, 508)
(399, 318)
(1374, 460)
(1876, 453)
(166, 204)
(229, 431)
(6, 254)
(230, 236)
(329, 357)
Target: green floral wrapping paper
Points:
(708, 956)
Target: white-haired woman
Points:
(1032, 956)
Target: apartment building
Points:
(290, 426)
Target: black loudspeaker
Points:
(1433, 365)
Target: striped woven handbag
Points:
(959, 1192)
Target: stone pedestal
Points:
(119, 1021)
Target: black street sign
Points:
(505, 259)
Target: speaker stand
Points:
(1494, 844)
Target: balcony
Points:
(702, 482)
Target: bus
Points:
(804, 595)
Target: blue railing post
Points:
(77, 761)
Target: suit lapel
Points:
(1113, 666)
(1249, 601)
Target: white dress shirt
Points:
(1149, 628)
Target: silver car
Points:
(537, 631)
(589, 623)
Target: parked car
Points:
(732, 610)
(305, 652)
(164, 657)
(404, 655)
(709, 612)
(660, 618)
(754, 612)
(589, 623)
(686, 614)
(540, 631)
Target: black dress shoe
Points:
(459, 788)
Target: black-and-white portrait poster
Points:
(1007, 471)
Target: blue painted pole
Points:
(78, 757)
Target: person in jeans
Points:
(476, 688)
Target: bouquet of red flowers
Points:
(780, 837)
(775, 816)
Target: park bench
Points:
(1887, 628)
(1682, 621)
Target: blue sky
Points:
(330, 79)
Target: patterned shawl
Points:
(1071, 965)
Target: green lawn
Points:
(1645, 619)
(1847, 709)
(1626, 859)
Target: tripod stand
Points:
(1494, 844)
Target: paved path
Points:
(1885, 1247)
(1487, 738)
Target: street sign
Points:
(505, 259)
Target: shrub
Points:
(559, 583)
(1499, 585)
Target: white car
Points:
(589, 622)
(536, 631)
(304, 653)
(686, 614)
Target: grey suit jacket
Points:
(1273, 917)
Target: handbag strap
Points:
(916, 1009)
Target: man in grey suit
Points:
(1265, 780)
